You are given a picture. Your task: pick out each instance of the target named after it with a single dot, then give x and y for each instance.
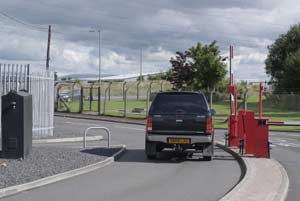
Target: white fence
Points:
(41, 85)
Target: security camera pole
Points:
(48, 48)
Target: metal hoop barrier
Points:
(102, 128)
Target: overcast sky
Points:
(160, 28)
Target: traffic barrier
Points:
(245, 131)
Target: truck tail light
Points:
(209, 126)
(149, 124)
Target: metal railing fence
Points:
(40, 84)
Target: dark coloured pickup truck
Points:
(180, 121)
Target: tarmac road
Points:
(134, 178)
(286, 149)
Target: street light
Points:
(225, 59)
(99, 89)
(99, 32)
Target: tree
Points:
(208, 68)
(283, 61)
(180, 75)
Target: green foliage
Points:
(222, 86)
(199, 68)
(208, 68)
(282, 63)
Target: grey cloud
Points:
(128, 26)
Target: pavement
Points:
(133, 177)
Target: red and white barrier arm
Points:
(283, 123)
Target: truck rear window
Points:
(179, 104)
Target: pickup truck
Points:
(181, 121)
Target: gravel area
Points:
(47, 161)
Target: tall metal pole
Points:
(48, 48)
(99, 78)
(141, 63)
(230, 76)
(99, 95)
(230, 57)
(99, 31)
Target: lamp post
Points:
(99, 78)
(99, 32)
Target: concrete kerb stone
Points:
(264, 180)
(102, 118)
(70, 139)
(62, 176)
(240, 161)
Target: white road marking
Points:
(132, 128)
(77, 123)
(287, 144)
(284, 135)
(278, 140)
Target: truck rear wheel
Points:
(151, 157)
(150, 149)
(207, 158)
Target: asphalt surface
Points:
(135, 178)
(286, 149)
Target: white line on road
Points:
(77, 123)
(287, 145)
(132, 128)
(284, 135)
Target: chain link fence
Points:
(124, 99)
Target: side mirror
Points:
(213, 112)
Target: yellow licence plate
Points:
(179, 140)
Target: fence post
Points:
(105, 98)
(148, 97)
(109, 86)
(99, 100)
(57, 99)
(150, 87)
(72, 94)
(123, 90)
(138, 90)
(1, 92)
(246, 96)
(147, 102)
(161, 85)
(91, 98)
(125, 104)
(81, 101)
(124, 97)
(27, 78)
(4, 80)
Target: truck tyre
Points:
(151, 157)
(207, 158)
(150, 149)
